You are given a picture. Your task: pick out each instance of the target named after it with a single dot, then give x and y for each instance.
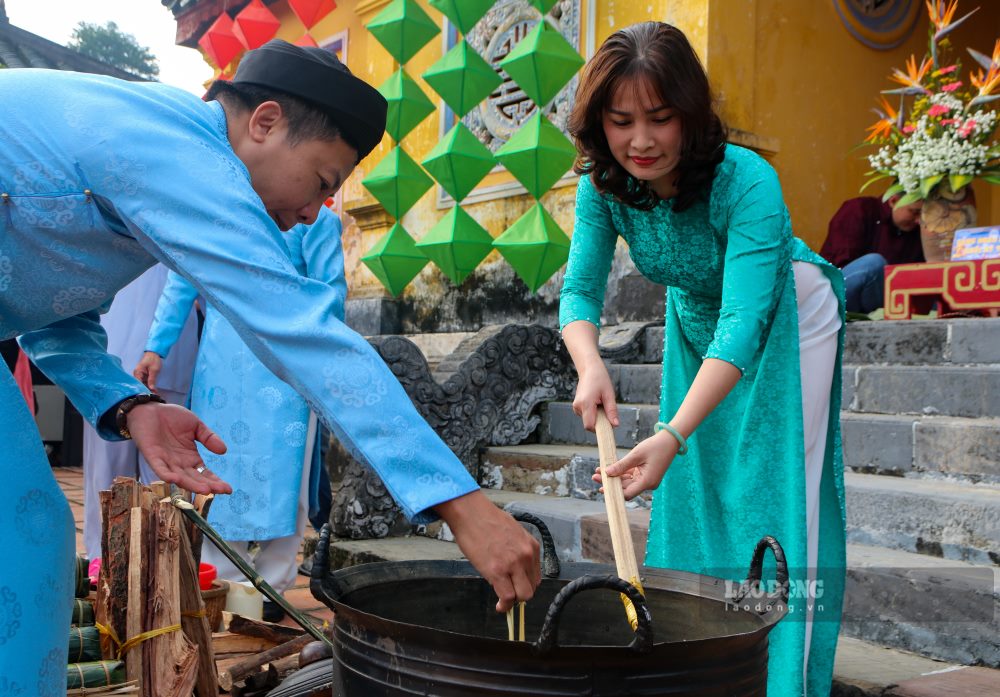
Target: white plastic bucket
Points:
(243, 599)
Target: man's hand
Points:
(165, 434)
(148, 369)
(496, 544)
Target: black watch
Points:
(127, 405)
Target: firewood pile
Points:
(253, 657)
(149, 605)
(150, 611)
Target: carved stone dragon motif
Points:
(485, 393)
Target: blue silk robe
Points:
(100, 178)
(262, 419)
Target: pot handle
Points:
(550, 560)
(642, 642)
(321, 568)
(757, 567)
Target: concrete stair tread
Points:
(865, 669)
(932, 488)
(989, 368)
(913, 342)
(351, 552)
(551, 450)
(986, 421)
(634, 405)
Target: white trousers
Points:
(103, 461)
(819, 324)
(276, 559)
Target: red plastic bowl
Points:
(206, 574)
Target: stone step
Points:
(636, 384)
(961, 448)
(863, 669)
(542, 469)
(966, 449)
(968, 391)
(921, 342)
(344, 553)
(547, 469)
(561, 425)
(936, 607)
(946, 390)
(954, 521)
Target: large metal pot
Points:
(430, 628)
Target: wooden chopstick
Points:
(510, 624)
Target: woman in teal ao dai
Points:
(754, 330)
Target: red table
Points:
(957, 285)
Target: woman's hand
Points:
(148, 369)
(643, 468)
(594, 389)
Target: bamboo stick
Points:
(614, 502)
(258, 582)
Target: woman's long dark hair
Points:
(660, 55)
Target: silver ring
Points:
(199, 469)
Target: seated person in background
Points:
(865, 235)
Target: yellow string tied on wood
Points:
(125, 647)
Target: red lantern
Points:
(255, 25)
(219, 41)
(307, 40)
(311, 11)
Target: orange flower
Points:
(913, 77)
(986, 83)
(940, 15)
(883, 127)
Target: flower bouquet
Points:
(942, 134)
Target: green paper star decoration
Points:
(459, 162)
(395, 259)
(535, 246)
(462, 78)
(538, 154)
(403, 28)
(397, 182)
(408, 105)
(542, 6)
(456, 244)
(464, 13)
(542, 63)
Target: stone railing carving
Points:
(485, 393)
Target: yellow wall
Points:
(790, 79)
(791, 71)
